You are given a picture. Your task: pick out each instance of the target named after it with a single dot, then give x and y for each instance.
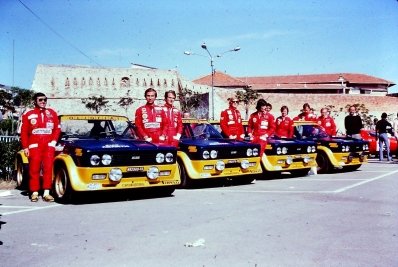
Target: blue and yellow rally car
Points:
(98, 152)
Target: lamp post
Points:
(204, 46)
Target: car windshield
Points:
(200, 130)
(309, 131)
(92, 128)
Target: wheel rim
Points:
(60, 183)
(19, 174)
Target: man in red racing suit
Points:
(40, 130)
(261, 125)
(284, 124)
(173, 115)
(327, 122)
(150, 120)
(231, 121)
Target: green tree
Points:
(192, 102)
(248, 96)
(94, 103)
(126, 102)
(22, 97)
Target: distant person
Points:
(261, 125)
(231, 121)
(327, 122)
(353, 123)
(383, 127)
(306, 114)
(269, 109)
(40, 131)
(373, 126)
(284, 127)
(174, 125)
(395, 127)
(151, 120)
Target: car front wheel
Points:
(61, 185)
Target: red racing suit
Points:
(284, 127)
(231, 124)
(260, 127)
(174, 126)
(328, 124)
(305, 117)
(151, 122)
(40, 130)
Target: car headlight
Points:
(279, 151)
(152, 173)
(365, 147)
(284, 150)
(244, 164)
(249, 152)
(115, 174)
(255, 152)
(313, 149)
(343, 148)
(106, 159)
(306, 159)
(220, 165)
(213, 154)
(206, 154)
(169, 157)
(95, 160)
(159, 158)
(309, 149)
(289, 160)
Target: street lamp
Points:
(204, 46)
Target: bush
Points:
(8, 151)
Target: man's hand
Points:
(26, 152)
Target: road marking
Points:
(365, 182)
(27, 209)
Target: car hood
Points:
(109, 144)
(213, 142)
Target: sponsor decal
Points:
(50, 125)
(135, 157)
(33, 121)
(93, 186)
(192, 149)
(233, 161)
(171, 182)
(144, 115)
(334, 145)
(114, 146)
(152, 125)
(135, 169)
(231, 117)
(42, 131)
(159, 119)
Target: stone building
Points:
(66, 86)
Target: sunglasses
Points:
(235, 101)
(42, 99)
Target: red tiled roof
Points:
(221, 80)
(351, 78)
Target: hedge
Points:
(8, 151)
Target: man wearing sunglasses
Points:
(40, 130)
(231, 121)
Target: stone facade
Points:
(66, 86)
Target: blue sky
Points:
(277, 37)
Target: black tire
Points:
(22, 175)
(61, 185)
(300, 172)
(323, 162)
(352, 167)
(186, 182)
(242, 180)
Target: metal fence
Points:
(7, 139)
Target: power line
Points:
(58, 34)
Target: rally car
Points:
(98, 152)
(370, 136)
(203, 153)
(332, 152)
(296, 157)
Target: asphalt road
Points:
(340, 219)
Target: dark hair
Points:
(151, 90)
(285, 107)
(260, 103)
(269, 105)
(384, 115)
(306, 105)
(37, 95)
(170, 92)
